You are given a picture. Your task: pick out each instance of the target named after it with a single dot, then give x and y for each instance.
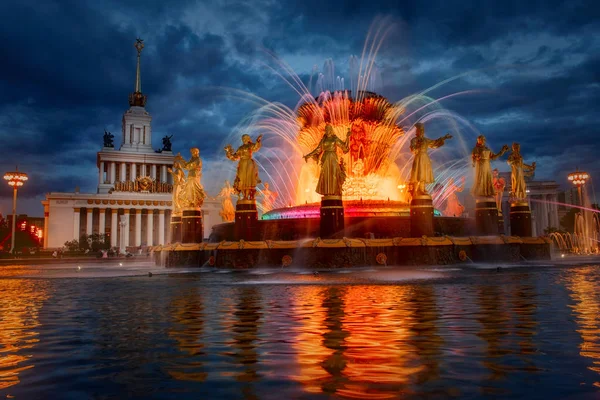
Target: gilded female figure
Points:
(246, 177)
(333, 174)
(192, 193)
(178, 181)
(421, 173)
(482, 157)
(453, 206)
(227, 212)
(519, 170)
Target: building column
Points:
(101, 173)
(150, 228)
(46, 219)
(113, 226)
(123, 173)
(163, 173)
(102, 221)
(113, 172)
(161, 227)
(132, 173)
(126, 233)
(138, 227)
(89, 221)
(153, 171)
(76, 218)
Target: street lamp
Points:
(15, 179)
(578, 178)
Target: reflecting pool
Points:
(460, 332)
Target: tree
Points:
(567, 222)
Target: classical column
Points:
(153, 171)
(101, 173)
(89, 221)
(138, 227)
(102, 221)
(133, 173)
(150, 228)
(126, 237)
(123, 173)
(113, 171)
(161, 226)
(113, 227)
(76, 218)
(163, 173)
(46, 218)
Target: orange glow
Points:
(340, 352)
(20, 302)
(584, 286)
(371, 173)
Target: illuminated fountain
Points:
(381, 222)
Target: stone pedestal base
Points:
(332, 217)
(176, 229)
(520, 219)
(192, 230)
(421, 216)
(500, 223)
(486, 216)
(246, 218)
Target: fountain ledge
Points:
(353, 252)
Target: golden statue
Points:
(178, 181)
(519, 170)
(227, 212)
(421, 173)
(499, 185)
(246, 177)
(333, 174)
(268, 198)
(192, 193)
(482, 157)
(453, 206)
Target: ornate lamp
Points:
(15, 179)
(578, 178)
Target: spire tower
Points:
(137, 98)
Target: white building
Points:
(133, 187)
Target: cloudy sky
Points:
(530, 69)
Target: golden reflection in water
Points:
(309, 312)
(20, 303)
(245, 335)
(425, 335)
(188, 316)
(584, 286)
(523, 301)
(495, 327)
(354, 341)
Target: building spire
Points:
(137, 98)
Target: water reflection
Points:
(187, 312)
(20, 303)
(584, 286)
(245, 339)
(495, 329)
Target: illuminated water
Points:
(531, 332)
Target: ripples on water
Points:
(429, 333)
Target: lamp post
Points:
(578, 178)
(15, 179)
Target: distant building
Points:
(133, 187)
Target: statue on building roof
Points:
(108, 139)
(166, 141)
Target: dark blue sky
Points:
(68, 66)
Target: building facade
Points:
(133, 200)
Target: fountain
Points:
(340, 163)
